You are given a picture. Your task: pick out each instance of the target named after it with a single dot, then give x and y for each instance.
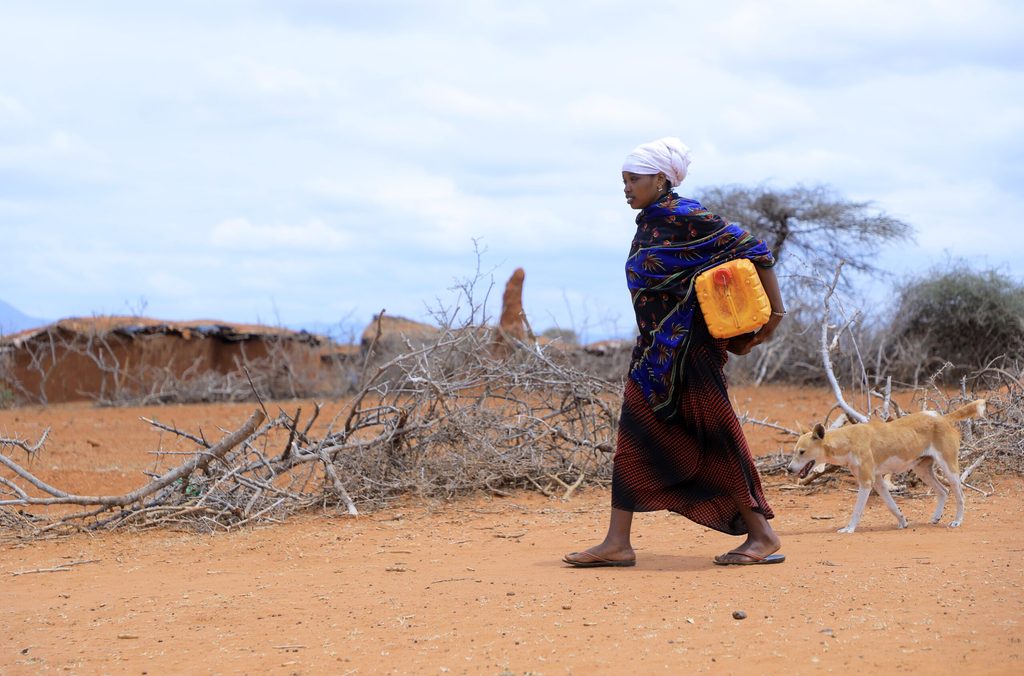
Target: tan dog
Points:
(919, 441)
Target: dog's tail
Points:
(975, 409)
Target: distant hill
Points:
(13, 320)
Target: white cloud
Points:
(270, 79)
(15, 207)
(856, 40)
(54, 148)
(172, 284)
(448, 99)
(392, 134)
(314, 237)
(603, 111)
(12, 112)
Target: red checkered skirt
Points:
(700, 465)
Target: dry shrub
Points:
(997, 440)
(1001, 436)
(959, 315)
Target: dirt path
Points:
(476, 586)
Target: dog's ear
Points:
(819, 431)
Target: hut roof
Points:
(129, 326)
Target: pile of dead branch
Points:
(998, 439)
(444, 419)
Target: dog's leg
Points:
(883, 491)
(958, 491)
(858, 509)
(925, 469)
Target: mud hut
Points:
(115, 359)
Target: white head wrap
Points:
(667, 155)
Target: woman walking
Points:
(680, 446)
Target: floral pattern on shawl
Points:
(676, 239)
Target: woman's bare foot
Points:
(601, 555)
(614, 550)
(760, 545)
(753, 549)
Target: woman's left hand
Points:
(741, 344)
(745, 342)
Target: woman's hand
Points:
(745, 342)
(741, 344)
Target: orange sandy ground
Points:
(476, 586)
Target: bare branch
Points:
(826, 360)
(62, 498)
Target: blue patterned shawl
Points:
(676, 239)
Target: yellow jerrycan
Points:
(732, 299)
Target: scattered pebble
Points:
(739, 615)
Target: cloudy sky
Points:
(302, 161)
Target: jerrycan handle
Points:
(722, 277)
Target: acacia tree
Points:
(823, 231)
(813, 223)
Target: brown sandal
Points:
(597, 561)
(754, 559)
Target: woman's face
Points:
(641, 189)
